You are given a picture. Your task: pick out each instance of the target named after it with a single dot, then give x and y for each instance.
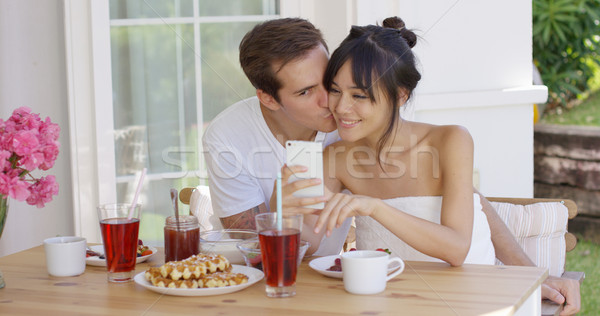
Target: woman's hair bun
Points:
(397, 23)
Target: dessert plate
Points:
(322, 264)
(96, 261)
(254, 275)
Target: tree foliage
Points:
(566, 46)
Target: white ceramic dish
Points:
(96, 261)
(323, 263)
(224, 242)
(254, 275)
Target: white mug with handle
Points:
(366, 271)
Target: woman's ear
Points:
(402, 96)
(267, 100)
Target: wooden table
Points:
(422, 289)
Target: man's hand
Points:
(560, 290)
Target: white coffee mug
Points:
(366, 271)
(65, 256)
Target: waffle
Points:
(217, 279)
(179, 284)
(194, 267)
(221, 279)
(199, 271)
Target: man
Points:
(285, 60)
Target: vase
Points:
(3, 212)
(3, 215)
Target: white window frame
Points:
(88, 59)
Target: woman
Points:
(410, 183)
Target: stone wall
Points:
(567, 165)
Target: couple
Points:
(300, 96)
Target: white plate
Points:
(322, 264)
(254, 275)
(96, 261)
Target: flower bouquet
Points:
(27, 143)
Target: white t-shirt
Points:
(243, 158)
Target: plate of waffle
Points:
(199, 275)
(97, 257)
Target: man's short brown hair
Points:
(276, 42)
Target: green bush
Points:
(566, 46)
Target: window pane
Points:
(223, 81)
(156, 93)
(238, 7)
(154, 115)
(154, 89)
(135, 9)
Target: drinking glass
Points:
(120, 238)
(279, 245)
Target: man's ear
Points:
(267, 100)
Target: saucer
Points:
(323, 263)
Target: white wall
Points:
(32, 73)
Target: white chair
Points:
(540, 227)
(198, 199)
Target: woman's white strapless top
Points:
(372, 235)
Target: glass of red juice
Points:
(120, 238)
(279, 244)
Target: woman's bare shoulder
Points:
(448, 134)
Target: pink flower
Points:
(31, 162)
(50, 153)
(42, 191)
(49, 132)
(24, 119)
(14, 187)
(25, 142)
(4, 155)
(28, 143)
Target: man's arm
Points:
(507, 249)
(243, 220)
(559, 290)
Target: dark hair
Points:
(276, 41)
(381, 57)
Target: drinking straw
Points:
(279, 211)
(137, 193)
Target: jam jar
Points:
(182, 242)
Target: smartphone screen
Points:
(308, 154)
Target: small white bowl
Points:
(224, 242)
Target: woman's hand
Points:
(341, 206)
(290, 204)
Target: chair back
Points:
(540, 228)
(198, 199)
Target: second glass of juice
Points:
(120, 238)
(181, 240)
(279, 243)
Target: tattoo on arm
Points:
(243, 220)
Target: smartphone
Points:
(308, 154)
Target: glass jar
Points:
(182, 242)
